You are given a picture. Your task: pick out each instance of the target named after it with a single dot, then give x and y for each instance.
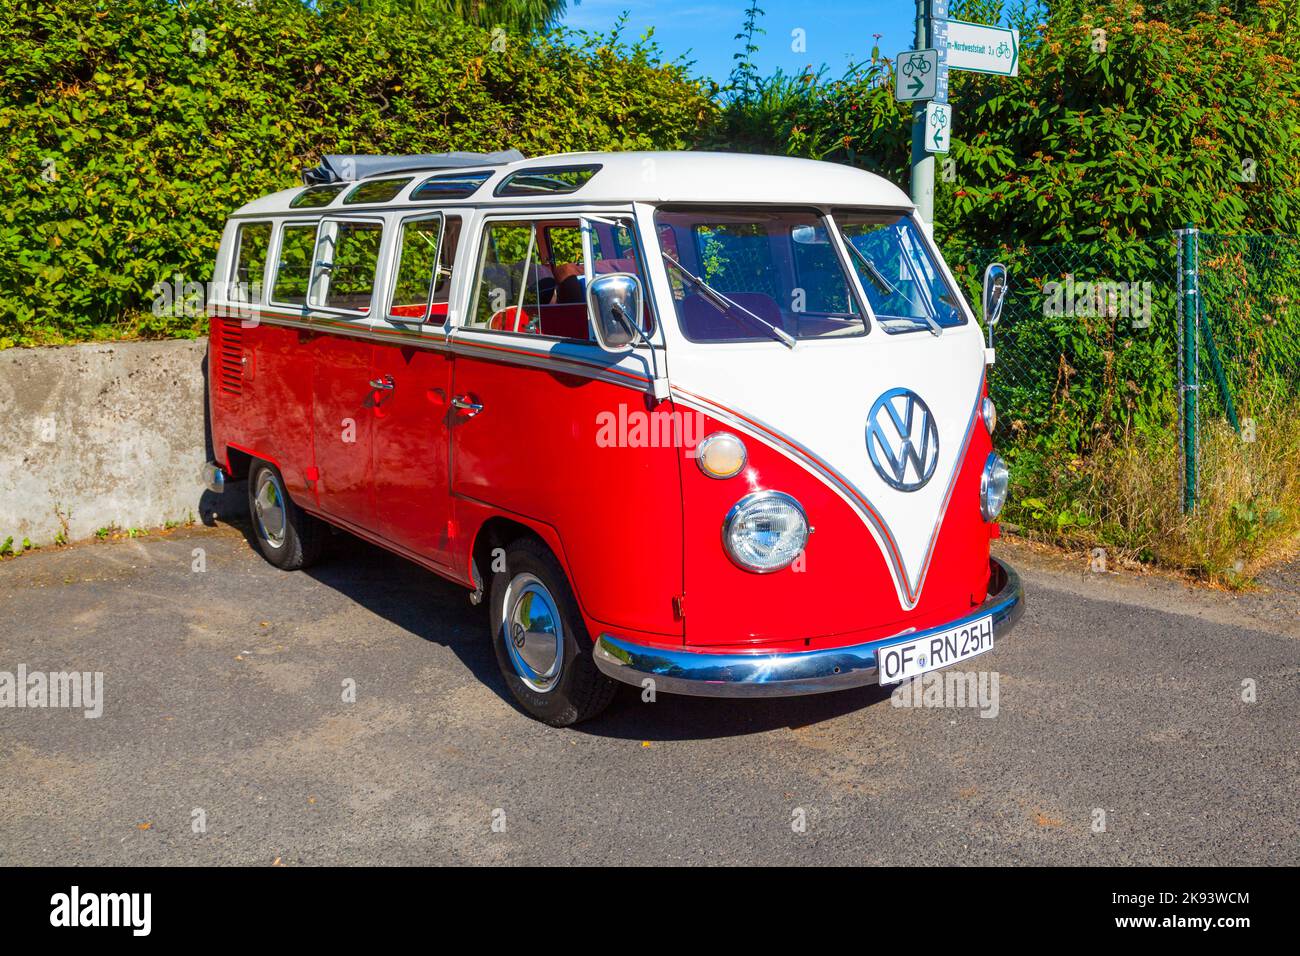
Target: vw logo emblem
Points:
(902, 439)
(518, 634)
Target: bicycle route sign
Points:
(975, 47)
(918, 75)
(938, 127)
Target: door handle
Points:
(465, 405)
(385, 383)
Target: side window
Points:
(425, 257)
(532, 275)
(293, 268)
(417, 262)
(509, 276)
(377, 190)
(347, 256)
(446, 262)
(252, 243)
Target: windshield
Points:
(899, 275)
(740, 275)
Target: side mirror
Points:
(614, 303)
(995, 293)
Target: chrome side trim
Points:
(703, 674)
(214, 479)
(544, 359)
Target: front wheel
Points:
(541, 644)
(286, 535)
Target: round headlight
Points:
(721, 455)
(990, 413)
(765, 531)
(993, 487)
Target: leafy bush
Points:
(1121, 127)
(132, 129)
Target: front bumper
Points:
(702, 674)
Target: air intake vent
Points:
(230, 357)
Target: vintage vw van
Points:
(701, 423)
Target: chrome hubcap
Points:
(534, 634)
(268, 509)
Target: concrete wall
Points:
(97, 435)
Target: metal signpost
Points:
(922, 80)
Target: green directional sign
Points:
(938, 127)
(975, 47)
(916, 75)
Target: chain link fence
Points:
(1087, 344)
(1168, 355)
(1250, 325)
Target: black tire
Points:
(300, 538)
(578, 690)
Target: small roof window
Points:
(314, 196)
(376, 190)
(450, 186)
(546, 180)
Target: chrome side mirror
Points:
(614, 303)
(995, 293)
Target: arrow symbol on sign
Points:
(916, 86)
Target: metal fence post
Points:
(1216, 364)
(1191, 293)
(1179, 243)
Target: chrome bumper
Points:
(702, 674)
(214, 479)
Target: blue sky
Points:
(837, 32)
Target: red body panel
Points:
(271, 414)
(535, 451)
(635, 523)
(342, 426)
(412, 506)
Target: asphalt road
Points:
(223, 704)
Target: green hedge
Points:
(129, 130)
(1119, 126)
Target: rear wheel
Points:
(541, 645)
(286, 535)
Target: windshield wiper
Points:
(721, 302)
(887, 287)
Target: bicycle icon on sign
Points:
(917, 64)
(1003, 51)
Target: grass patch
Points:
(1126, 496)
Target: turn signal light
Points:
(721, 455)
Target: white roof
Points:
(656, 177)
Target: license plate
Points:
(897, 662)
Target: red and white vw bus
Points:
(705, 423)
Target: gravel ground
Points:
(224, 706)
